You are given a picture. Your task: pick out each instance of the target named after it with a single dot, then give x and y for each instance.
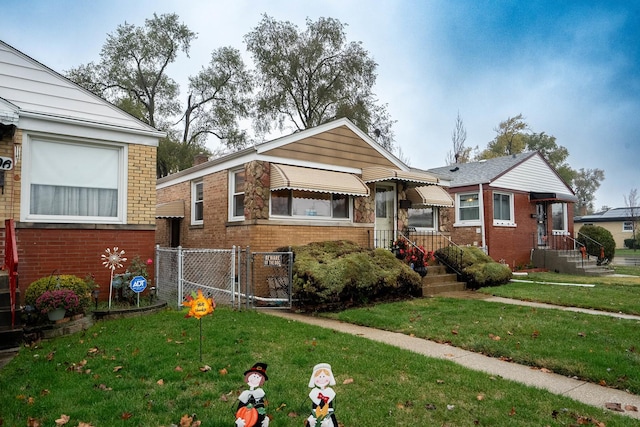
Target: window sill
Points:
(468, 224)
(504, 224)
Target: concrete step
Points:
(431, 289)
(11, 338)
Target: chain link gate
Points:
(229, 276)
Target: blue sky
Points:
(571, 68)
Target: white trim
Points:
(501, 222)
(231, 191)
(123, 171)
(470, 222)
(194, 200)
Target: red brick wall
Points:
(46, 251)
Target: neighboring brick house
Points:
(81, 176)
(330, 182)
(621, 223)
(509, 205)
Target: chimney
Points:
(200, 158)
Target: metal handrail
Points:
(442, 237)
(11, 263)
(595, 242)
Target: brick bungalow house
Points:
(330, 182)
(509, 206)
(79, 174)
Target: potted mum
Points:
(56, 303)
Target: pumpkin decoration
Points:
(249, 414)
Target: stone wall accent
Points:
(257, 190)
(364, 207)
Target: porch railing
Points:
(11, 264)
(564, 243)
(431, 241)
(592, 245)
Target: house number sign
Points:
(6, 164)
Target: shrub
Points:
(631, 244)
(476, 268)
(63, 281)
(335, 274)
(592, 236)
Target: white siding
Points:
(36, 89)
(534, 174)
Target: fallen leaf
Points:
(31, 401)
(582, 334)
(494, 337)
(614, 406)
(44, 392)
(631, 408)
(430, 407)
(348, 381)
(117, 368)
(454, 332)
(439, 381)
(185, 421)
(451, 407)
(205, 368)
(224, 398)
(81, 424)
(178, 369)
(160, 382)
(545, 370)
(602, 383)
(512, 412)
(50, 356)
(126, 415)
(281, 407)
(535, 334)
(93, 351)
(33, 422)
(480, 396)
(223, 371)
(62, 420)
(292, 415)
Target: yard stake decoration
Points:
(322, 397)
(199, 307)
(112, 260)
(251, 410)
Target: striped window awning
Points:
(380, 173)
(322, 181)
(173, 209)
(430, 195)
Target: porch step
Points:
(568, 262)
(10, 336)
(438, 281)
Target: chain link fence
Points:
(234, 277)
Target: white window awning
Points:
(430, 195)
(319, 180)
(380, 173)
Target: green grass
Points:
(599, 349)
(627, 252)
(110, 376)
(615, 294)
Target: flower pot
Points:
(56, 314)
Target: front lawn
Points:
(146, 371)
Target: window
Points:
(503, 209)
(627, 226)
(298, 203)
(75, 182)
(197, 203)
(422, 217)
(559, 218)
(468, 208)
(237, 194)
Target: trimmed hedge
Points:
(339, 274)
(602, 236)
(477, 268)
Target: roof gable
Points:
(522, 172)
(40, 92)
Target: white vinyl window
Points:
(197, 203)
(468, 211)
(559, 218)
(74, 182)
(236, 188)
(298, 203)
(627, 226)
(503, 209)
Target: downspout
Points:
(482, 228)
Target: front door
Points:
(541, 218)
(385, 215)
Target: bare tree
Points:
(460, 153)
(633, 205)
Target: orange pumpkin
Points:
(249, 414)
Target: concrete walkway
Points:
(582, 391)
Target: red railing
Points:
(11, 263)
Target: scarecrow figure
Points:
(322, 397)
(251, 411)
